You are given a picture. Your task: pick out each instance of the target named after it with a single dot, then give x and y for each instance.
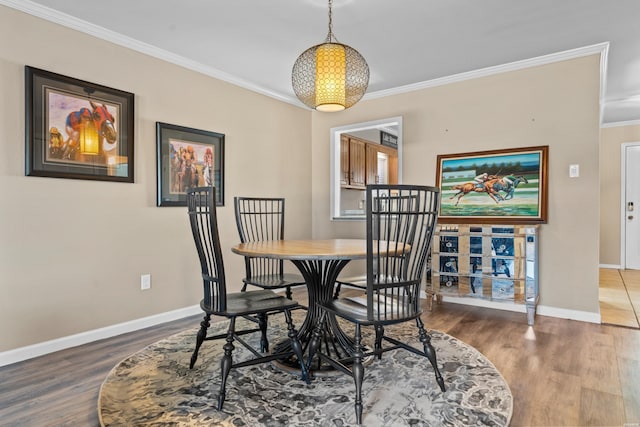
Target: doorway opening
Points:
(630, 206)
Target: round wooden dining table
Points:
(320, 262)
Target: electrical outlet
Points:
(145, 282)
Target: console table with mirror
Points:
(487, 265)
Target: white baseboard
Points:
(562, 313)
(478, 302)
(35, 350)
(614, 266)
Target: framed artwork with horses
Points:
(494, 187)
(188, 158)
(77, 129)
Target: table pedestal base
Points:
(320, 276)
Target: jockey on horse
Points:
(490, 184)
(480, 184)
(480, 179)
(508, 184)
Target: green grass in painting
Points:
(484, 210)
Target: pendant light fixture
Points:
(330, 76)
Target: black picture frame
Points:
(77, 129)
(388, 139)
(182, 162)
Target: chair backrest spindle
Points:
(259, 219)
(400, 224)
(201, 206)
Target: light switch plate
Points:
(574, 171)
(145, 282)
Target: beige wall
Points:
(555, 105)
(72, 251)
(611, 139)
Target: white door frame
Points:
(623, 207)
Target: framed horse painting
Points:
(494, 187)
(188, 158)
(77, 129)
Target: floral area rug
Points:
(155, 387)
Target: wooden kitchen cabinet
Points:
(372, 164)
(352, 162)
(359, 163)
(344, 160)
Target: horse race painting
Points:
(494, 187)
(77, 129)
(188, 158)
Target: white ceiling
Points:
(254, 43)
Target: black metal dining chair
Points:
(400, 223)
(253, 305)
(360, 281)
(262, 218)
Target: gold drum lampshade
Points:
(330, 76)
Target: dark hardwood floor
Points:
(61, 389)
(561, 372)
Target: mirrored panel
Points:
(361, 154)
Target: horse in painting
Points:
(508, 186)
(492, 186)
(468, 187)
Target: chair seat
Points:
(385, 311)
(273, 281)
(252, 302)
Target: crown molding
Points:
(73, 23)
(600, 48)
(69, 21)
(619, 124)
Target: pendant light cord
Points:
(330, 37)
